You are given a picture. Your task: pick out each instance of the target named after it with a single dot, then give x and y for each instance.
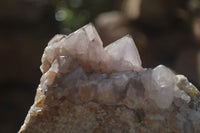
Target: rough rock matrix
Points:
(86, 88)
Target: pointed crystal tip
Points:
(85, 46)
(125, 52)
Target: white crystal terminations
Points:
(160, 85)
(85, 48)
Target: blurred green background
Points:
(165, 32)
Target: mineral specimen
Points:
(86, 88)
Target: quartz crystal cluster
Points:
(86, 88)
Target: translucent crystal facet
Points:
(125, 53)
(160, 84)
(85, 46)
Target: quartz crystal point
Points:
(159, 84)
(125, 54)
(86, 88)
(85, 46)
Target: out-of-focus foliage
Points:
(194, 6)
(72, 14)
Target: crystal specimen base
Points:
(86, 88)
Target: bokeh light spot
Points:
(60, 15)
